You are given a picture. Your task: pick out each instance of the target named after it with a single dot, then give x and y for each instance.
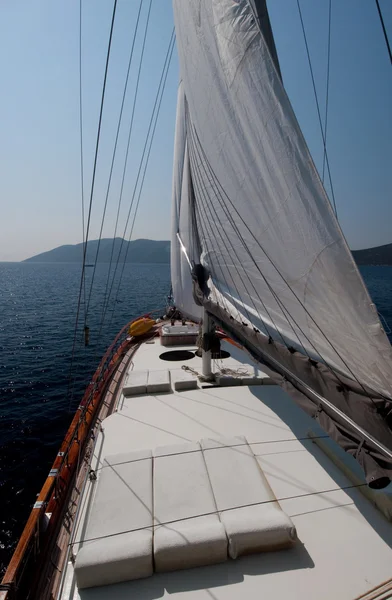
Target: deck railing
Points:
(47, 511)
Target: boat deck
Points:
(344, 545)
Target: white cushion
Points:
(158, 382)
(183, 380)
(118, 538)
(249, 511)
(136, 383)
(190, 543)
(187, 530)
(115, 559)
(258, 528)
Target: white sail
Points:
(269, 239)
(181, 246)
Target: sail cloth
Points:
(269, 239)
(181, 240)
(261, 14)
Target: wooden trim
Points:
(51, 576)
(379, 592)
(56, 488)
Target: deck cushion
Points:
(158, 382)
(118, 544)
(136, 383)
(248, 509)
(114, 559)
(183, 380)
(187, 530)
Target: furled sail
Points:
(278, 265)
(182, 247)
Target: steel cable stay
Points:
(86, 307)
(91, 194)
(366, 393)
(201, 206)
(203, 223)
(280, 304)
(197, 180)
(318, 107)
(288, 317)
(384, 30)
(211, 249)
(203, 220)
(151, 128)
(240, 276)
(115, 151)
(105, 308)
(351, 486)
(267, 331)
(327, 85)
(145, 170)
(72, 383)
(81, 148)
(130, 130)
(275, 296)
(285, 312)
(238, 272)
(227, 250)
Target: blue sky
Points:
(39, 108)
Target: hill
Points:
(153, 251)
(139, 251)
(380, 255)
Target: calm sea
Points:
(38, 307)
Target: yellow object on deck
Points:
(141, 326)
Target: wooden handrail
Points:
(52, 497)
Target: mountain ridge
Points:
(378, 255)
(158, 251)
(135, 251)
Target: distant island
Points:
(153, 251)
(136, 251)
(380, 255)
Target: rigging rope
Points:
(199, 188)
(155, 113)
(211, 205)
(91, 195)
(229, 216)
(197, 180)
(214, 512)
(125, 167)
(317, 106)
(273, 293)
(384, 31)
(114, 154)
(208, 204)
(81, 148)
(327, 86)
(169, 56)
(82, 200)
